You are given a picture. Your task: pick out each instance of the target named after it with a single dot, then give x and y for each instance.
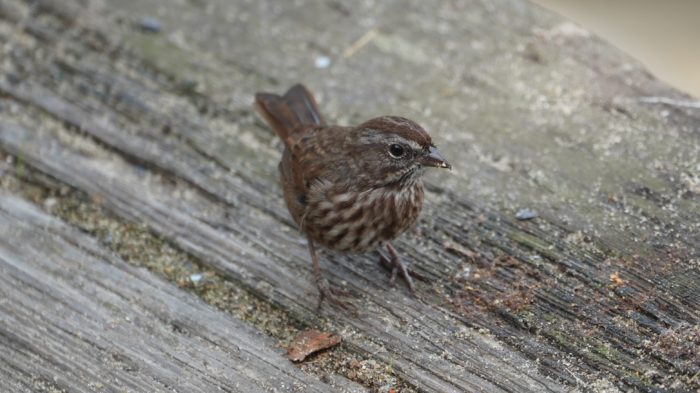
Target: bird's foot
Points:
(333, 294)
(393, 262)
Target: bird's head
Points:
(393, 150)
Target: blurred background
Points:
(664, 35)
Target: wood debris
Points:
(310, 341)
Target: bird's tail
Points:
(285, 114)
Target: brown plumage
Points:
(349, 189)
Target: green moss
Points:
(161, 55)
(608, 352)
(535, 244)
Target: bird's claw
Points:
(394, 263)
(326, 291)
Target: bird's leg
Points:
(393, 262)
(324, 288)
(321, 282)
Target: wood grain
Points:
(76, 318)
(602, 289)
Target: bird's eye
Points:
(396, 150)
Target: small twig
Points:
(694, 377)
(578, 380)
(362, 41)
(671, 101)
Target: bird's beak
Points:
(435, 159)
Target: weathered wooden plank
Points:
(550, 118)
(75, 318)
(420, 341)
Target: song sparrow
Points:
(349, 189)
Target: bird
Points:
(351, 189)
